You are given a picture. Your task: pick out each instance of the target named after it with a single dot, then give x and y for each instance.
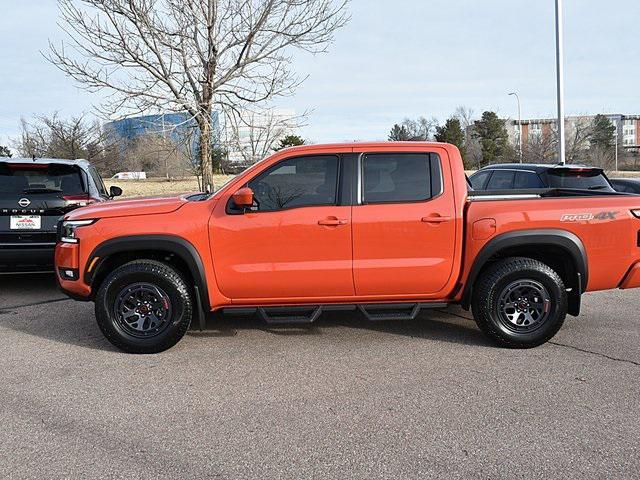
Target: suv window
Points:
(581, 179)
(38, 177)
(398, 177)
(501, 180)
(97, 179)
(297, 182)
(527, 180)
(479, 180)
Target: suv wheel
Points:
(144, 307)
(519, 303)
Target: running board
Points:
(305, 314)
(380, 312)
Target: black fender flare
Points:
(172, 244)
(567, 241)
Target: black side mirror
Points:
(115, 191)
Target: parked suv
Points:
(518, 176)
(386, 229)
(34, 194)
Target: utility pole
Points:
(560, 80)
(519, 126)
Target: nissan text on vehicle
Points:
(386, 229)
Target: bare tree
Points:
(52, 136)
(540, 148)
(252, 135)
(189, 55)
(579, 132)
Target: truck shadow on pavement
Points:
(451, 325)
(32, 304)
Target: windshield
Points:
(41, 178)
(581, 179)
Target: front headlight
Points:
(68, 229)
(636, 212)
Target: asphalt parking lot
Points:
(343, 398)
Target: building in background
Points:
(627, 128)
(176, 126)
(251, 135)
(246, 136)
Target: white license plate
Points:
(25, 222)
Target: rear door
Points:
(403, 224)
(501, 180)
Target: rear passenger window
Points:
(400, 177)
(527, 180)
(297, 182)
(501, 180)
(479, 180)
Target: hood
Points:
(125, 208)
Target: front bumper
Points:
(67, 258)
(26, 257)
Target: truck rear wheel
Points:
(519, 302)
(144, 307)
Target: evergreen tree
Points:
(451, 132)
(492, 135)
(290, 141)
(602, 132)
(399, 133)
(4, 151)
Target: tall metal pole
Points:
(519, 126)
(560, 80)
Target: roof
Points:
(45, 161)
(536, 167)
(360, 145)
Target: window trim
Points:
(231, 209)
(359, 200)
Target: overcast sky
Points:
(393, 60)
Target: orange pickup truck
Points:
(387, 229)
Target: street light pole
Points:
(519, 126)
(560, 80)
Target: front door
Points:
(403, 225)
(295, 243)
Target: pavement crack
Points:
(598, 354)
(13, 307)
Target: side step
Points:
(305, 314)
(379, 312)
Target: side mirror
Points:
(243, 198)
(115, 191)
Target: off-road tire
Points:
(495, 281)
(149, 272)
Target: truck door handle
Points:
(436, 219)
(332, 222)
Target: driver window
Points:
(297, 182)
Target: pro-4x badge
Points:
(585, 217)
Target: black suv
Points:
(519, 176)
(34, 194)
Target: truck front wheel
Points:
(519, 302)
(144, 306)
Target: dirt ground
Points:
(161, 186)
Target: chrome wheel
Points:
(524, 305)
(142, 310)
